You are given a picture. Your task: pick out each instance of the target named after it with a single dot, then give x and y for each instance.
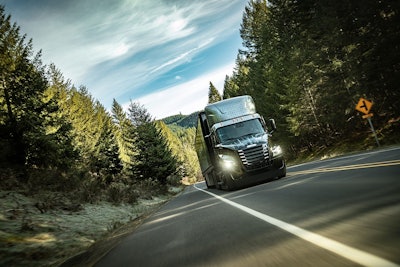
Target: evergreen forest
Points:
(305, 63)
(56, 136)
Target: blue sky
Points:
(161, 53)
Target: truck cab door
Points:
(207, 136)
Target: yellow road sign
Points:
(364, 106)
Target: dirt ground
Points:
(35, 234)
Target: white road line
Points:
(355, 255)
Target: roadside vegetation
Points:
(71, 172)
(307, 63)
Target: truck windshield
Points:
(236, 131)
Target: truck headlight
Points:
(227, 161)
(276, 150)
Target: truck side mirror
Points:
(263, 122)
(272, 125)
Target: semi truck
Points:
(234, 147)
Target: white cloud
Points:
(183, 56)
(73, 40)
(185, 98)
(115, 47)
(177, 25)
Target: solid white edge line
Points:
(355, 255)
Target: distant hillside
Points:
(173, 119)
(185, 121)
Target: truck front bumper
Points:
(276, 169)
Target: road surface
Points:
(337, 212)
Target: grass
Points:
(365, 141)
(33, 237)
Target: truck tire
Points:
(207, 183)
(229, 184)
(217, 181)
(283, 171)
(210, 180)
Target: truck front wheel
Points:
(283, 170)
(212, 178)
(207, 183)
(229, 183)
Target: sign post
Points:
(364, 106)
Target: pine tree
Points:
(31, 133)
(213, 94)
(124, 134)
(306, 63)
(230, 88)
(107, 161)
(154, 159)
(182, 139)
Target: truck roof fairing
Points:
(229, 109)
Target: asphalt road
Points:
(336, 212)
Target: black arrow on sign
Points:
(364, 105)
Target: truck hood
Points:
(245, 141)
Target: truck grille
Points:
(255, 157)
